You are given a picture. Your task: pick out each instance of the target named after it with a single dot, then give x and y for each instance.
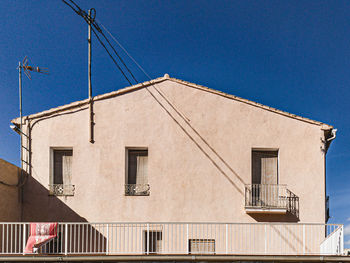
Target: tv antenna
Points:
(26, 69)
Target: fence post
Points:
(187, 240)
(107, 237)
(265, 238)
(341, 249)
(65, 239)
(24, 237)
(226, 238)
(304, 239)
(147, 245)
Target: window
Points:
(154, 241)
(265, 189)
(137, 172)
(200, 246)
(264, 167)
(61, 177)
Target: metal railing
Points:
(61, 189)
(271, 196)
(137, 189)
(292, 203)
(180, 238)
(327, 208)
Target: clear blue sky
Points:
(292, 55)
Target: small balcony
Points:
(137, 189)
(62, 189)
(270, 199)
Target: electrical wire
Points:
(91, 21)
(115, 62)
(126, 52)
(88, 19)
(187, 121)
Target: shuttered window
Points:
(137, 172)
(264, 167)
(62, 172)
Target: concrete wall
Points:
(196, 172)
(10, 208)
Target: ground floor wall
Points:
(10, 206)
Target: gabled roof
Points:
(81, 103)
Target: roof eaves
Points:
(324, 126)
(81, 103)
(84, 102)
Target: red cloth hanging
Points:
(40, 234)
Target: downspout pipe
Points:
(327, 143)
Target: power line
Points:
(88, 19)
(115, 62)
(126, 52)
(183, 116)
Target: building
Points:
(179, 169)
(10, 205)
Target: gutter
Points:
(328, 141)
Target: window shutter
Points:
(269, 170)
(57, 173)
(141, 173)
(67, 169)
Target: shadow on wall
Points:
(39, 206)
(78, 236)
(288, 217)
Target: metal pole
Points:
(89, 79)
(20, 109)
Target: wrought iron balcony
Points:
(62, 189)
(270, 198)
(137, 189)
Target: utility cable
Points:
(91, 21)
(187, 121)
(110, 55)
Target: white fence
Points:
(180, 238)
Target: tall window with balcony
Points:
(265, 178)
(61, 174)
(137, 172)
(264, 192)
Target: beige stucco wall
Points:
(10, 209)
(195, 174)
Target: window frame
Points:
(52, 173)
(126, 180)
(277, 150)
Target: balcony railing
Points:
(270, 197)
(179, 238)
(137, 189)
(327, 208)
(61, 189)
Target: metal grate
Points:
(137, 189)
(61, 189)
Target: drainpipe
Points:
(327, 143)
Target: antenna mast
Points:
(91, 111)
(27, 69)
